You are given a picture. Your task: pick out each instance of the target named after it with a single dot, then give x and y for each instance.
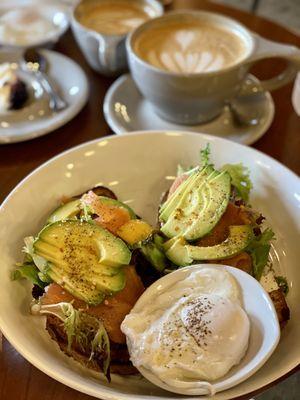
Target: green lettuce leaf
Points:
(87, 211)
(34, 268)
(282, 283)
(181, 170)
(30, 256)
(101, 344)
(240, 179)
(28, 271)
(87, 330)
(28, 247)
(259, 249)
(204, 156)
(204, 161)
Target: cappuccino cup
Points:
(100, 28)
(189, 64)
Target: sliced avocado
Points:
(106, 270)
(111, 250)
(84, 258)
(117, 203)
(181, 253)
(182, 191)
(109, 284)
(201, 205)
(174, 199)
(176, 251)
(154, 255)
(65, 211)
(84, 291)
(170, 242)
(238, 239)
(153, 251)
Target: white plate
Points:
(126, 110)
(138, 167)
(53, 11)
(69, 79)
(264, 333)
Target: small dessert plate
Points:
(125, 110)
(264, 331)
(36, 118)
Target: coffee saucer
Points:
(125, 110)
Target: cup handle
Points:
(107, 52)
(266, 49)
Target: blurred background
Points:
(285, 12)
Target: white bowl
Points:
(138, 167)
(264, 333)
(53, 11)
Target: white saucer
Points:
(36, 118)
(126, 110)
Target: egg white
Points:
(166, 338)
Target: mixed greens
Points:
(81, 328)
(34, 268)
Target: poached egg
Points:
(192, 332)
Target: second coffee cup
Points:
(101, 26)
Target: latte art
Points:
(112, 16)
(190, 48)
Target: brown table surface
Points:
(18, 379)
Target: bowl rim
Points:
(69, 381)
(171, 132)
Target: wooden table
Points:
(18, 379)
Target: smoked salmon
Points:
(110, 216)
(112, 311)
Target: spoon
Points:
(37, 64)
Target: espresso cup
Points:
(189, 64)
(100, 28)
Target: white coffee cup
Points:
(195, 97)
(105, 52)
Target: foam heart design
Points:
(209, 62)
(187, 62)
(206, 59)
(184, 38)
(190, 61)
(167, 60)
